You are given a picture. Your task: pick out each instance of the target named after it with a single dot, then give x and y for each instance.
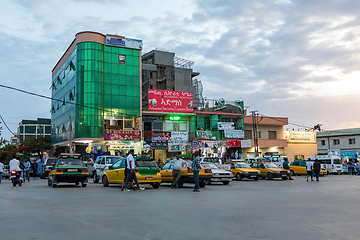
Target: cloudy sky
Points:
(288, 58)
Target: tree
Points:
(2, 140)
(35, 145)
(7, 152)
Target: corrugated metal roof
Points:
(340, 132)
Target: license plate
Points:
(72, 170)
(253, 176)
(149, 178)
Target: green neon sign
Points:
(174, 118)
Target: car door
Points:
(166, 173)
(114, 174)
(262, 169)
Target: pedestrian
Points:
(1, 169)
(131, 171)
(286, 166)
(357, 166)
(195, 168)
(176, 164)
(317, 168)
(34, 167)
(125, 177)
(26, 170)
(309, 170)
(350, 167)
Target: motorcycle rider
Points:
(14, 164)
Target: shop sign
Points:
(122, 135)
(121, 145)
(179, 136)
(349, 154)
(226, 126)
(205, 135)
(196, 145)
(246, 144)
(300, 137)
(234, 133)
(160, 136)
(153, 118)
(170, 101)
(123, 42)
(158, 145)
(175, 146)
(233, 143)
(211, 144)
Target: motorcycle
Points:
(15, 178)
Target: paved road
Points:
(242, 210)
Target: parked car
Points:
(6, 173)
(243, 170)
(146, 170)
(218, 175)
(216, 161)
(187, 176)
(46, 167)
(101, 164)
(298, 167)
(68, 168)
(269, 170)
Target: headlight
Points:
(216, 174)
(288, 171)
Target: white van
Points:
(332, 163)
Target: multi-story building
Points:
(343, 142)
(96, 93)
(34, 128)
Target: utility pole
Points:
(70, 135)
(255, 123)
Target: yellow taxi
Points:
(186, 176)
(298, 167)
(269, 170)
(146, 170)
(243, 170)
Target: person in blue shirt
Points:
(26, 170)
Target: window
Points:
(157, 126)
(259, 134)
(248, 134)
(122, 59)
(322, 142)
(351, 140)
(336, 141)
(272, 135)
(128, 124)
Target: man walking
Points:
(309, 169)
(285, 165)
(177, 164)
(26, 170)
(195, 168)
(1, 170)
(317, 168)
(131, 171)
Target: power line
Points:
(6, 125)
(59, 100)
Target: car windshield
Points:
(270, 165)
(51, 161)
(209, 165)
(242, 165)
(145, 163)
(70, 163)
(112, 160)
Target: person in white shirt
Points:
(177, 164)
(131, 171)
(309, 165)
(1, 170)
(14, 164)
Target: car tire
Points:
(155, 185)
(255, 179)
(269, 176)
(83, 184)
(292, 172)
(105, 181)
(202, 184)
(53, 184)
(263, 178)
(77, 183)
(208, 182)
(226, 183)
(238, 177)
(96, 179)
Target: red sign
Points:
(122, 135)
(170, 101)
(233, 143)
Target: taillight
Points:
(85, 170)
(158, 170)
(136, 170)
(333, 166)
(189, 170)
(13, 172)
(208, 171)
(59, 170)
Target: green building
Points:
(34, 128)
(96, 94)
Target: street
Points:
(242, 210)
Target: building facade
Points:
(33, 128)
(301, 145)
(343, 142)
(96, 93)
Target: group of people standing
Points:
(353, 167)
(313, 167)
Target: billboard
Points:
(123, 42)
(170, 101)
(122, 135)
(300, 137)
